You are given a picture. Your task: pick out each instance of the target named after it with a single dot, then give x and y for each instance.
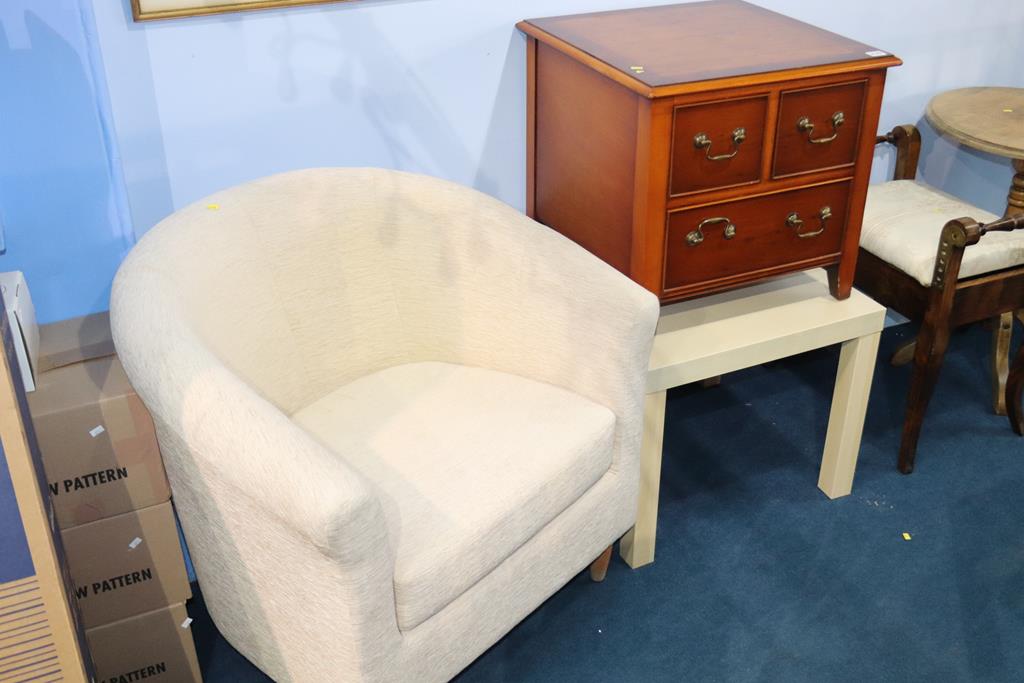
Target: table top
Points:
(733, 330)
(989, 119)
(698, 41)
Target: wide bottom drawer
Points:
(766, 233)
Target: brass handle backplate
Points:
(702, 141)
(697, 236)
(805, 125)
(794, 221)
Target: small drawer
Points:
(717, 144)
(723, 240)
(818, 128)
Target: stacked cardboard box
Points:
(110, 495)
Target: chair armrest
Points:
(957, 235)
(239, 438)
(218, 429)
(593, 328)
(551, 311)
(496, 289)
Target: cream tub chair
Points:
(396, 414)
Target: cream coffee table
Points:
(722, 333)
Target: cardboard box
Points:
(72, 341)
(21, 316)
(125, 565)
(39, 631)
(97, 439)
(155, 646)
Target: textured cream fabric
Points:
(903, 220)
(468, 464)
(231, 320)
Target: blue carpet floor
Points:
(759, 577)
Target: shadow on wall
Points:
(142, 158)
(502, 164)
(341, 91)
(57, 197)
(414, 130)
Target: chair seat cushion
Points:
(469, 464)
(903, 220)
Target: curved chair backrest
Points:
(302, 281)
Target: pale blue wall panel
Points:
(438, 86)
(61, 194)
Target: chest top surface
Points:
(718, 39)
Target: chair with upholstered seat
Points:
(396, 414)
(912, 259)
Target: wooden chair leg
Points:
(933, 338)
(932, 342)
(1014, 387)
(599, 567)
(1002, 332)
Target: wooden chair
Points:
(942, 289)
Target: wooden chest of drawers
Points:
(702, 146)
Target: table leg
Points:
(1004, 325)
(1002, 334)
(1015, 200)
(846, 421)
(637, 546)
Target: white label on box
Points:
(135, 543)
(96, 431)
(187, 622)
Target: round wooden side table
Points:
(986, 119)
(989, 119)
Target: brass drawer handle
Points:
(794, 221)
(702, 141)
(697, 236)
(805, 125)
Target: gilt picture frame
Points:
(149, 10)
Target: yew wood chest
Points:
(702, 146)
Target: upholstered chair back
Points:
(303, 281)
